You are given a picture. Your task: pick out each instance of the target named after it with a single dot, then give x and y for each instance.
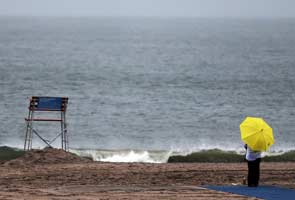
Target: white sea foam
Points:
(125, 155)
(130, 157)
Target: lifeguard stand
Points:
(47, 105)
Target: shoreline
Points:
(156, 156)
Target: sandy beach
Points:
(54, 174)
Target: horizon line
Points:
(149, 16)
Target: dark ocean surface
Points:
(142, 89)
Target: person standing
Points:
(253, 158)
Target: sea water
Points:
(140, 87)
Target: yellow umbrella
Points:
(256, 133)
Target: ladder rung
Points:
(45, 120)
(40, 109)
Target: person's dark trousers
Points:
(253, 172)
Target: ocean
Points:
(143, 89)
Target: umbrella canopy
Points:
(256, 133)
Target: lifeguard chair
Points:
(47, 105)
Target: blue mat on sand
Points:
(263, 192)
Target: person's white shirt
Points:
(252, 155)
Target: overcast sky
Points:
(185, 8)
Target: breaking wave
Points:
(210, 155)
(124, 155)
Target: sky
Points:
(165, 8)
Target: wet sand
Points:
(87, 180)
